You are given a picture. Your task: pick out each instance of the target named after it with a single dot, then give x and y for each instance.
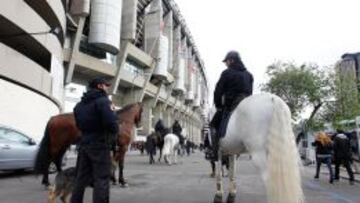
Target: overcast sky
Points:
(264, 31)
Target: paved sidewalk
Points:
(324, 170)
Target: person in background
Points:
(355, 157)
(323, 147)
(342, 155)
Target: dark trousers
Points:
(93, 167)
(327, 161)
(346, 163)
(219, 122)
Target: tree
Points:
(345, 104)
(299, 86)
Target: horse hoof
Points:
(218, 199)
(231, 198)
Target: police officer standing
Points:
(97, 123)
(234, 85)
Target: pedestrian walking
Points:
(342, 155)
(98, 125)
(323, 148)
(355, 156)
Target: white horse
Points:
(169, 150)
(261, 125)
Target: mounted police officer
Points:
(98, 125)
(177, 129)
(235, 84)
(160, 128)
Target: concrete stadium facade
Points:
(143, 46)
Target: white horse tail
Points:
(166, 147)
(283, 182)
(168, 144)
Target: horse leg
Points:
(160, 154)
(232, 182)
(113, 169)
(58, 164)
(121, 168)
(151, 155)
(170, 156)
(175, 157)
(212, 163)
(45, 179)
(113, 178)
(219, 186)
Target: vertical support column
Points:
(192, 129)
(158, 94)
(147, 117)
(190, 76)
(168, 32)
(153, 21)
(75, 50)
(168, 117)
(118, 99)
(129, 20)
(198, 132)
(120, 62)
(184, 125)
(158, 113)
(178, 62)
(184, 55)
(168, 90)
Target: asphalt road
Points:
(186, 182)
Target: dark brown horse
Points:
(153, 141)
(61, 132)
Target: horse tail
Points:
(43, 154)
(167, 145)
(283, 182)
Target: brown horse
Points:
(61, 132)
(128, 116)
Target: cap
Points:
(96, 81)
(232, 55)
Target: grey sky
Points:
(263, 31)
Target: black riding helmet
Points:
(234, 55)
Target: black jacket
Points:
(320, 149)
(176, 128)
(235, 82)
(95, 119)
(160, 128)
(342, 147)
